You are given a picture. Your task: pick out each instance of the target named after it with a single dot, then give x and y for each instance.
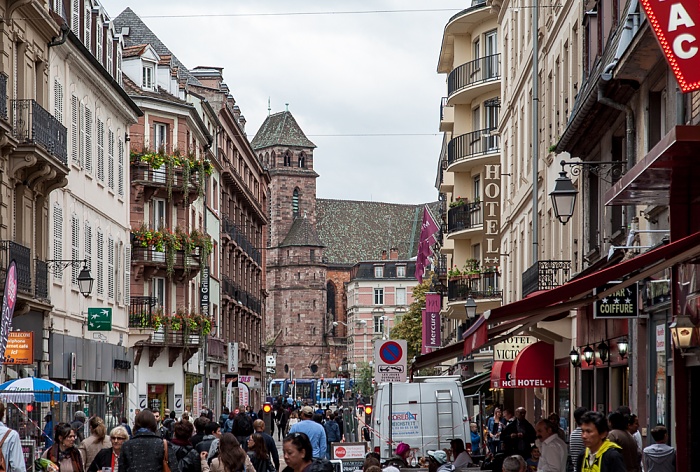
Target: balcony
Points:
(164, 183)
(484, 286)
(3, 96)
(34, 126)
(465, 150)
(141, 312)
(27, 288)
(447, 116)
(235, 294)
(465, 217)
(148, 262)
(474, 78)
(231, 176)
(545, 275)
(234, 233)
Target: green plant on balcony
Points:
(458, 202)
(165, 240)
(454, 273)
(182, 320)
(471, 268)
(188, 163)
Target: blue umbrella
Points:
(34, 389)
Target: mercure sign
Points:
(676, 27)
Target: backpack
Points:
(165, 433)
(228, 425)
(3, 465)
(332, 431)
(244, 425)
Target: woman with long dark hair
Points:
(257, 451)
(231, 457)
(64, 453)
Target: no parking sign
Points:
(390, 361)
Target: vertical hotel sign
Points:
(492, 215)
(431, 323)
(9, 300)
(676, 25)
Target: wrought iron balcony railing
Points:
(545, 275)
(478, 286)
(234, 231)
(467, 216)
(141, 312)
(239, 295)
(474, 144)
(3, 96)
(32, 124)
(143, 173)
(38, 286)
(41, 279)
(474, 72)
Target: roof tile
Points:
(280, 129)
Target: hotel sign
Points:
(623, 303)
(677, 28)
(510, 348)
(492, 214)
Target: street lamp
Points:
(563, 197)
(354, 377)
(84, 277)
(470, 308)
(575, 358)
(622, 347)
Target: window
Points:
(477, 188)
(110, 268)
(295, 203)
(159, 291)
(302, 160)
(86, 128)
(379, 321)
(100, 150)
(74, 248)
(147, 81)
(100, 262)
(379, 296)
(87, 39)
(161, 136)
(378, 272)
(58, 238)
(400, 296)
(58, 100)
(110, 159)
(401, 271)
(287, 159)
(109, 45)
(159, 214)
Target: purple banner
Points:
(9, 301)
(431, 322)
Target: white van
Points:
(426, 415)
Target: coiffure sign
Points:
(676, 25)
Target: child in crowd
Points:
(534, 459)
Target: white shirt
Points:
(553, 454)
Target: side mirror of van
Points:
(465, 418)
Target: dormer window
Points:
(378, 272)
(148, 76)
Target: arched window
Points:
(330, 298)
(295, 203)
(302, 160)
(273, 159)
(287, 159)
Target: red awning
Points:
(500, 374)
(475, 336)
(534, 366)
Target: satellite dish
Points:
(313, 368)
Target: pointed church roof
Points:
(280, 129)
(302, 234)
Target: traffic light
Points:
(267, 417)
(368, 414)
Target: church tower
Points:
(296, 325)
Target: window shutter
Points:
(110, 268)
(110, 53)
(88, 244)
(99, 32)
(127, 276)
(75, 17)
(100, 263)
(57, 239)
(88, 26)
(87, 131)
(120, 172)
(110, 159)
(100, 150)
(58, 100)
(74, 129)
(75, 248)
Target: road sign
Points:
(99, 319)
(390, 361)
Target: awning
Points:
(474, 385)
(548, 305)
(500, 374)
(534, 367)
(662, 172)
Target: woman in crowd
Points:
(109, 457)
(94, 443)
(257, 452)
(146, 451)
(63, 453)
(495, 427)
(400, 457)
(298, 453)
(230, 457)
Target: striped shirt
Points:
(576, 446)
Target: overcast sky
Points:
(342, 74)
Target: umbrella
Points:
(34, 389)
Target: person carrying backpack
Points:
(168, 427)
(186, 456)
(332, 433)
(242, 428)
(228, 424)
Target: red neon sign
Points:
(677, 30)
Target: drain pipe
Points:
(606, 77)
(58, 41)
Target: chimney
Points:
(384, 254)
(394, 254)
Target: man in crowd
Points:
(519, 435)
(315, 432)
(553, 450)
(259, 427)
(576, 446)
(514, 464)
(11, 446)
(212, 431)
(601, 454)
(659, 457)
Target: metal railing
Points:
(181, 337)
(478, 286)
(141, 312)
(239, 295)
(10, 250)
(474, 72)
(465, 146)
(32, 124)
(3, 95)
(142, 172)
(467, 216)
(41, 279)
(545, 275)
(238, 236)
(443, 104)
(149, 255)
